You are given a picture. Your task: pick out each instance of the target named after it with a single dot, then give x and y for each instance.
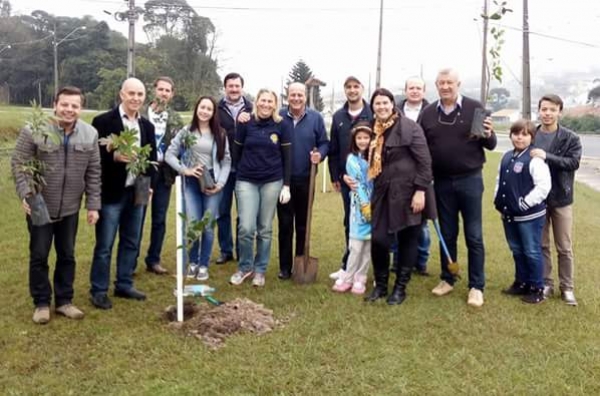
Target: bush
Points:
(585, 124)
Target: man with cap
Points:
(354, 110)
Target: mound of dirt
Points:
(212, 325)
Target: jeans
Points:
(257, 204)
(345, 192)
(292, 217)
(462, 195)
(196, 205)
(224, 222)
(423, 246)
(525, 241)
(63, 232)
(161, 198)
(126, 218)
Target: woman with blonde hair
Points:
(262, 148)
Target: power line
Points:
(550, 36)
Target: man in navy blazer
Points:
(119, 213)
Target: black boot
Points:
(399, 294)
(517, 289)
(535, 296)
(381, 287)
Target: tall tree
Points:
(301, 72)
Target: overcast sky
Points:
(262, 39)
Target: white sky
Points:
(262, 39)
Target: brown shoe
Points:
(41, 315)
(157, 269)
(70, 311)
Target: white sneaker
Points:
(258, 280)
(475, 298)
(202, 273)
(337, 274)
(239, 277)
(442, 288)
(192, 271)
(568, 297)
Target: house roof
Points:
(314, 82)
(579, 111)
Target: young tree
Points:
(301, 72)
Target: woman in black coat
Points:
(400, 164)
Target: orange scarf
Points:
(376, 147)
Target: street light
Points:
(8, 46)
(55, 44)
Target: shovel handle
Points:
(311, 195)
(436, 225)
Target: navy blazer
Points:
(114, 173)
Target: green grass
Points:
(333, 344)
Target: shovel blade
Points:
(298, 271)
(305, 270)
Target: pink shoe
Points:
(358, 288)
(341, 287)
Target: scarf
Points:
(376, 147)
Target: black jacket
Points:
(228, 123)
(400, 106)
(114, 173)
(563, 158)
(339, 143)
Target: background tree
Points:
(301, 72)
(498, 98)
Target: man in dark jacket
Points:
(308, 132)
(354, 110)
(166, 124)
(72, 168)
(119, 212)
(412, 107)
(561, 149)
(457, 161)
(233, 107)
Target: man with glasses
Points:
(457, 161)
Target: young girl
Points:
(522, 185)
(355, 276)
(198, 148)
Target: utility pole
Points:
(526, 68)
(131, 16)
(378, 75)
(55, 49)
(484, 65)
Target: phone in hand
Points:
(477, 129)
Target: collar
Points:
(239, 102)
(123, 115)
(407, 105)
(293, 117)
(458, 103)
(518, 155)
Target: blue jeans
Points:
(256, 208)
(196, 204)
(423, 246)
(224, 222)
(525, 241)
(161, 198)
(126, 218)
(462, 195)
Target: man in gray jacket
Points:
(72, 168)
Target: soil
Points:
(212, 325)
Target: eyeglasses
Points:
(446, 122)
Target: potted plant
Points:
(126, 144)
(191, 160)
(34, 168)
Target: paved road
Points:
(589, 171)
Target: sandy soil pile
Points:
(212, 325)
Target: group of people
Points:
(396, 165)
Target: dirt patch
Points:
(212, 325)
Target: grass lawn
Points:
(333, 344)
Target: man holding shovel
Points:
(308, 132)
(72, 168)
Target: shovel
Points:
(306, 267)
(453, 267)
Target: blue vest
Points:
(515, 183)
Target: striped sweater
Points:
(72, 168)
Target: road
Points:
(590, 143)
